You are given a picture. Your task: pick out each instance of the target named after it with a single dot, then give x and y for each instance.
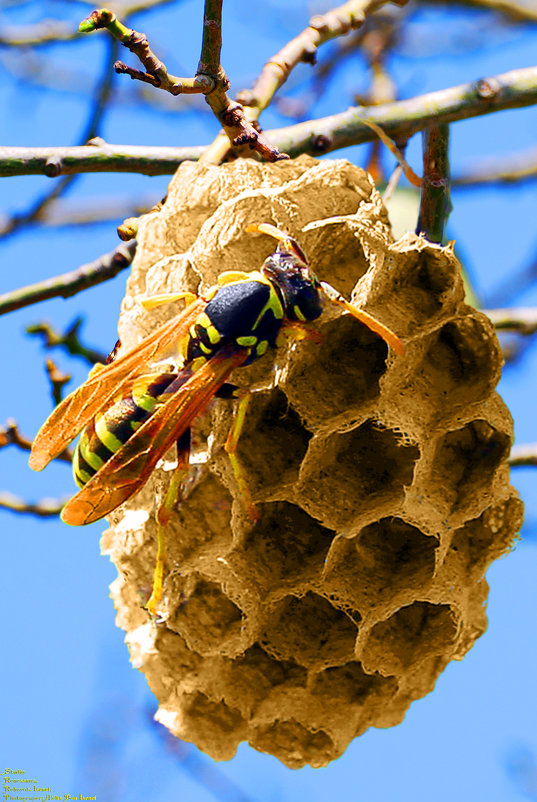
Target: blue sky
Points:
(76, 714)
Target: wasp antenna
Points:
(372, 323)
(288, 242)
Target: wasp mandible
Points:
(136, 407)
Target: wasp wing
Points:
(130, 467)
(81, 406)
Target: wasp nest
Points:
(381, 481)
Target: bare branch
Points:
(435, 204)
(58, 380)
(10, 436)
(523, 456)
(400, 120)
(511, 169)
(67, 284)
(209, 80)
(519, 12)
(69, 341)
(522, 320)
(46, 508)
(48, 31)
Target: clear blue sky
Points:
(76, 715)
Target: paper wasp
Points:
(136, 407)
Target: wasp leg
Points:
(231, 450)
(164, 513)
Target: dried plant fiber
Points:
(381, 481)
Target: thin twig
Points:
(10, 436)
(68, 340)
(102, 94)
(511, 169)
(303, 48)
(45, 508)
(435, 204)
(209, 80)
(58, 380)
(523, 320)
(67, 284)
(400, 120)
(49, 31)
(524, 455)
(519, 12)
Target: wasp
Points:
(140, 404)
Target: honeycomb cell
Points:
(462, 360)
(336, 252)
(356, 471)
(310, 631)
(217, 727)
(386, 559)
(341, 372)
(273, 442)
(206, 618)
(285, 548)
(350, 685)
(465, 462)
(294, 744)
(409, 637)
(251, 677)
(486, 538)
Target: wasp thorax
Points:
(380, 480)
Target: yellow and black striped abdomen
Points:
(111, 429)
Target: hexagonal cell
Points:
(206, 618)
(202, 521)
(424, 281)
(350, 685)
(341, 372)
(274, 442)
(466, 460)
(356, 471)
(486, 538)
(294, 744)
(212, 725)
(310, 631)
(387, 558)
(336, 253)
(252, 676)
(410, 636)
(285, 546)
(463, 360)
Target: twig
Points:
(209, 80)
(48, 31)
(67, 284)
(523, 455)
(46, 508)
(519, 12)
(400, 120)
(523, 320)
(10, 436)
(57, 381)
(102, 94)
(435, 204)
(69, 341)
(513, 169)
(303, 48)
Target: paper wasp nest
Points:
(381, 481)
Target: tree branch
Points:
(210, 79)
(523, 456)
(67, 284)
(400, 120)
(46, 508)
(435, 204)
(522, 320)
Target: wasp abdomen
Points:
(108, 431)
